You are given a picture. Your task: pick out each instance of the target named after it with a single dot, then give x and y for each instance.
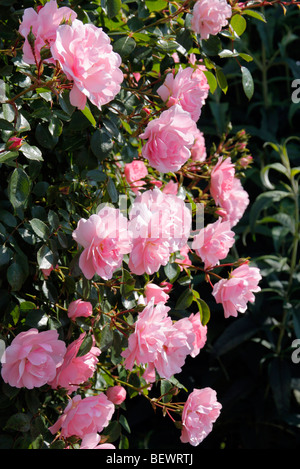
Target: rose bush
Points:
(118, 215)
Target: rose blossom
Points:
(200, 411)
(76, 370)
(236, 204)
(222, 179)
(105, 239)
(80, 308)
(172, 209)
(44, 25)
(116, 394)
(160, 225)
(91, 441)
(32, 359)
(155, 292)
(235, 292)
(200, 332)
(178, 345)
(149, 336)
(159, 343)
(87, 58)
(84, 416)
(214, 242)
(188, 87)
(186, 261)
(198, 150)
(135, 173)
(209, 17)
(171, 188)
(169, 139)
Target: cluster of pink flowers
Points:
(83, 51)
(161, 345)
(159, 225)
(210, 16)
(35, 358)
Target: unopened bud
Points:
(14, 143)
(31, 38)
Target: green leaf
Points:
(185, 299)
(18, 188)
(86, 346)
(255, 14)
(248, 83)
(263, 201)
(204, 311)
(265, 173)
(211, 79)
(112, 190)
(156, 5)
(222, 80)
(172, 270)
(16, 276)
(5, 255)
(238, 24)
(40, 228)
(45, 257)
(87, 113)
(18, 422)
(124, 46)
(113, 8)
(31, 152)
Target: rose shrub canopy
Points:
(121, 215)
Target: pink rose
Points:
(235, 292)
(209, 17)
(200, 332)
(92, 440)
(170, 188)
(214, 242)
(84, 416)
(87, 58)
(188, 87)
(105, 239)
(155, 292)
(80, 308)
(169, 139)
(159, 343)
(236, 204)
(76, 370)
(222, 179)
(44, 25)
(200, 411)
(198, 150)
(32, 359)
(160, 224)
(186, 261)
(178, 345)
(135, 172)
(149, 336)
(116, 394)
